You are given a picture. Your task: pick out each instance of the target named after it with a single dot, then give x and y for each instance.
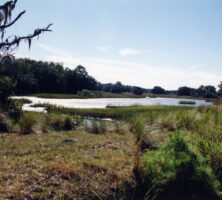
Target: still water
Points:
(103, 102)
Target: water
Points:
(103, 102)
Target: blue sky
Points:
(170, 43)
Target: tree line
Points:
(208, 91)
(33, 76)
(30, 76)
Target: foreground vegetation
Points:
(148, 152)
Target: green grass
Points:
(114, 113)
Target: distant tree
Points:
(117, 87)
(158, 90)
(185, 91)
(220, 89)
(138, 90)
(83, 80)
(107, 87)
(210, 92)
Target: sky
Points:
(169, 43)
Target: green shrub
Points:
(14, 109)
(176, 172)
(68, 124)
(26, 123)
(59, 122)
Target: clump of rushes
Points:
(121, 128)
(97, 127)
(167, 123)
(137, 126)
(176, 172)
(27, 123)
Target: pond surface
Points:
(103, 102)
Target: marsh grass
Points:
(187, 102)
(114, 113)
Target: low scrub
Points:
(176, 172)
(27, 123)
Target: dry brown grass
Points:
(43, 166)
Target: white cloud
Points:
(133, 73)
(101, 48)
(129, 51)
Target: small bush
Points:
(26, 123)
(15, 111)
(68, 124)
(59, 122)
(176, 172)
(4, 125)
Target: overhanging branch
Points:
(10, 24)
(16, 41)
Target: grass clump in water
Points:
(187, 102)
(96, 126)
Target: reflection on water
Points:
(103, 102)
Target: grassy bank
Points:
(93, 95)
